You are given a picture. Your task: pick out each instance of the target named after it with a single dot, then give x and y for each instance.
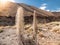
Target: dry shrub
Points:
(27, 27)
(41, 35)
(56, 29)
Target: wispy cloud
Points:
(44, 6)
(57, 10)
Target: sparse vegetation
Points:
(43, 36)
(44, 32)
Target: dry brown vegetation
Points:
(33, 34)
(48, 34)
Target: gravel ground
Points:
(8, 37)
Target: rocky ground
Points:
(48, 34)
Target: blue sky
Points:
(49, 5)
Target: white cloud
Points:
(57, 10)
(43, 6)
(47, 10)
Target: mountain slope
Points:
(10, 9)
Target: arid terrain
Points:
(48, 25)
(48, 34)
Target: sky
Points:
(48, 5)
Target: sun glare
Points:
(5, 1)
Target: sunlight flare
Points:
(5, 1)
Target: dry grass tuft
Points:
(1, 31)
